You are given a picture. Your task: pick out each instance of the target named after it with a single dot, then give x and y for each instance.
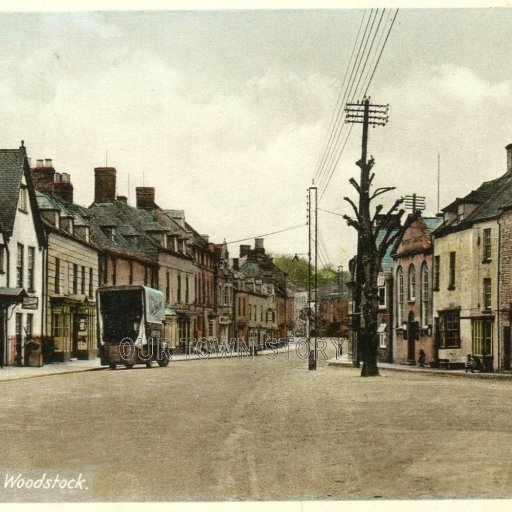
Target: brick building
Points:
(412, 268)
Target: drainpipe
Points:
(498, 309)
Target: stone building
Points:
(466, 274)
(71, 269)
(22, 261)
(505, 286)
(413, 311)
(256, 264)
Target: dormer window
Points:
(110, 232)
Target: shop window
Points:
(482, 337)
(449, 329)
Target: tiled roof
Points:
(491, 197)
(387, 260)
(11, 172)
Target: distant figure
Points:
(421, 358)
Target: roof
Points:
(491, 197)
(11, 172)
(387, 260)
(13, 166)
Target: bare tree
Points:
(375, 237)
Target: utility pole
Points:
(375, 115)
(312, 258)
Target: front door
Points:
(411, 338)
(506, 348)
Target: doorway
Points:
(506, 348)
(411, 338)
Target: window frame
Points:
(411, 283)
(487, 245)
(449, 318)
(453, 268)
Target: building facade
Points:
(22, 261)
(412, 268)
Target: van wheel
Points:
(112, 365)
(163, 362)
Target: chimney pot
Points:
(39, 163)
(48, 162)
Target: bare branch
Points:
(354, 183)
(378, 209)
(356, 211)
(381, 190)
(352, 222)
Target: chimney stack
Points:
(62, 187)
(236, 264)
(43, 176)
(104, 184)
(145, 198)
(244, 250)
(258, 246)
(509, 158)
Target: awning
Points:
(12, 295)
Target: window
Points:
(75, 278)
(186, 290)
(482, 337)
(226, 295)
(425, 296)
(449, 329)
(82, 282)
(261, 313)
(60, 326)
(90, 283)
(243, 300)
(2, 259)
(487, 294)
(412, 283)
(30, 325)
(382, 296)
(254, 312)
(23, 203)
(114, 270)
(30, 268)
(437, 265)
(57, 275)
(167, 288)
(19, 266)
(487, 244)
(451, 284)
(400, 293)
(179, 288)
(210, 328)
(383, 340)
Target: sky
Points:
(227, 113)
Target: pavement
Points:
(345, 362)
(9, 373)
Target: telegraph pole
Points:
(375, 115)
(312, 258)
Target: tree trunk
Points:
(370, 311)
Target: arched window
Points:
(400, 296)
(425, 295)
(412, 283)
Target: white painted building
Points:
(22, 259)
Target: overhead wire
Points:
(333, 167)
(340, 109)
